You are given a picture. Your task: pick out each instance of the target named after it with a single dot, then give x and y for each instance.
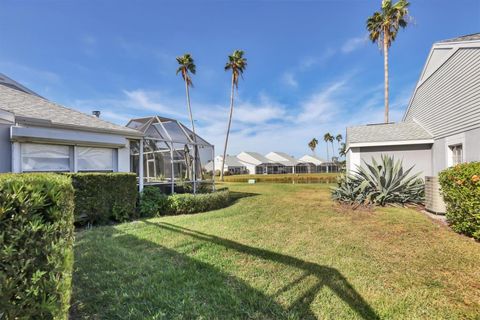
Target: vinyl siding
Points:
(5, 148)
(417, 156)
(449, 101)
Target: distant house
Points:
(232, 165)
(441, 126)
(39, 135)
(258, 164)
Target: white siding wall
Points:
(471, 149)
(419, 156)
(5, 148)
(448, 102)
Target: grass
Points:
(281, 251)
(285, 178)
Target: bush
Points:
(189, 203)
(285, 178)
(36, 246)
(153, 202)
(461, 192)
(100, 197)
(380, 184)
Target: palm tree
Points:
(339, 139)
(237, 63)
(342, 151)
(187, 66)
(313, 144)
(383, 28)
(331, 139)
(326, 138)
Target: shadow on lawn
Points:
(326, 276)
(120, 276)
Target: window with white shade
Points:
(95, 159)
(456, 154)
(45, 157)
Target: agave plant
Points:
(380, 183)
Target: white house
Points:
(39, 135)
(232, 165)
(441, 126)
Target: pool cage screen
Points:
(172, 155)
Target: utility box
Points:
(252, 181)
(433, 198)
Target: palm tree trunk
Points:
(333, 151)
(328, 156)
(194, 139)
(385, 62)
(228, 127)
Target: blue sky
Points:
(310, 68)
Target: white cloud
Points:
(353, 44)
(263, 124)
(288, 78)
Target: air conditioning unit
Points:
(433, 198)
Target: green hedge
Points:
(461, 192)
(285, 178)
(101, 197)
(36, 246)
(154, 203)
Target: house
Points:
(441, 126)
(39, 135)
(232, 165)
(258, 164)
(291, 164)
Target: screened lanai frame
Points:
(169, 154)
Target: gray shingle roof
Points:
(231, 161)
(402, 131)
(30, 106)
(468, 37)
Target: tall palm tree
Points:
(313, 144)
(326, 138)
(339, 139)
(331, 139)
(237, 63)
(187, 66)
(383, 27)
(342, 151)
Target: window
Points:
(456, 154)
(95, 159)
(45, 157)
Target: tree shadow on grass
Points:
(325, 276)
(235, 196)
(120, 276)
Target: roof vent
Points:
(96, 113)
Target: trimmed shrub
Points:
(285, 178)
(36, 246)
(100, 197)
(461, 193)
(153, 202)
(189, 203)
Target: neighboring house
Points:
(293, 165)
(232, 165)
(258, 164)
(441, 126)
(39, 135)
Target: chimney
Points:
(96, 113)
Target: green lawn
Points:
(281, 251)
